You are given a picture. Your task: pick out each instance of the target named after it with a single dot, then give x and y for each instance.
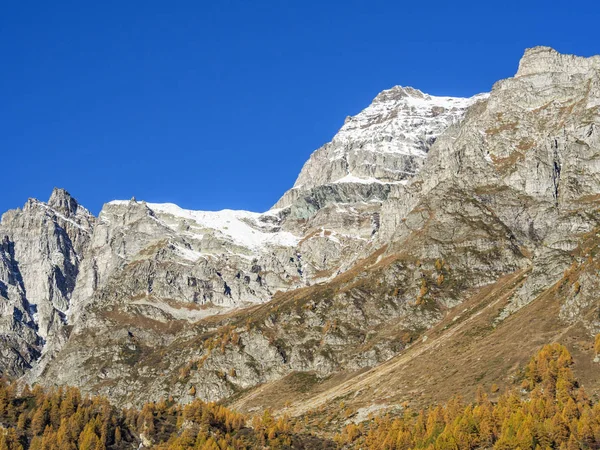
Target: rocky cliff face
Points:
(424, 216)
(42, 248)
(386, 143)
(528, 154)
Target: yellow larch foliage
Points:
(555, 414)
(550, 411)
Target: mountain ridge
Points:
(341, 281)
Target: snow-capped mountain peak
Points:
(387, 142)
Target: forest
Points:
(548, 409)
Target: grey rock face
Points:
(42, 248)
(546, 60)
(534, 146)
(20, 343)
(223, 259)
(385, 143)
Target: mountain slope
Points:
(528, 158)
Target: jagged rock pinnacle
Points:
(62, 201)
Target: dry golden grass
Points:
(510, 126)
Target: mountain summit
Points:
(385, 143)
(538, 60)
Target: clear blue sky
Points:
(218, 104)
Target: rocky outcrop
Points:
(43, 246)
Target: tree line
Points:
(548, 410)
